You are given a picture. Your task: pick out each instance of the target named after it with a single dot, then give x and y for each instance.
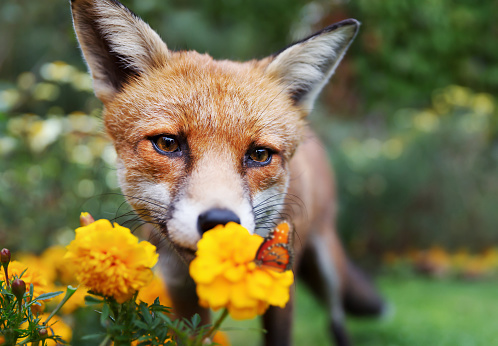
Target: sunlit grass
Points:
(422, 312)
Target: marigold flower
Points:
(62, 270)
(155, 289)
(30, 276)
(221, 339)
(56, 326)
(110, 261)
(227, 276)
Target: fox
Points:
(202, 142)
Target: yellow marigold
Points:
(56, 326)
(63, 271)
(110, 261)
(221, 339)
(227, 276)
(155, 289)
(30, 276)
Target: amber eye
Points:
(260, 156)
(166, 144)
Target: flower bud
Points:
(86, 219)
(18, 288)
(43, 333)
(5, 256)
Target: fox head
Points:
(201, 142)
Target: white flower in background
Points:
(43, 133)
(8, 99)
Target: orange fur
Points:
(219, 112)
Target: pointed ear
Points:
(117, 45)
(306, 66)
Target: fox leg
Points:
(278, 324)
(181, 287)
(328, 269)
(322, 269)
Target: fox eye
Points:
(165, 144)
(259, 157)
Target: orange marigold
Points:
(63, 271)
(110, 261)
(227, 276)
(155, 289)
(30, 276)
(56, 326)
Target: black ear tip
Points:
(351, 23)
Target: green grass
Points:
(422, 312)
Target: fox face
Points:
(202, 142)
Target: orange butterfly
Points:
(276, 251)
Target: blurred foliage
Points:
(408, 48)
(422, 177)
(438, 263)
(415, 154)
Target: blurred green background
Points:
(410, 118)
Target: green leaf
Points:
(24, 271)
(91, 300)
(141, 324)
(196, 320)
(93, 336)
(104, 314)
(166, 319)
(145, 313)
(46, 296)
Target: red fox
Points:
(202, 142)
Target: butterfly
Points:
(276, 251)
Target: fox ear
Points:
(306, 66)
(117, 45)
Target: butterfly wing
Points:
(276, 251)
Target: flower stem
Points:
(217, 324)
(105, 341)
(6, 276)
(69, 292)
(19, 308)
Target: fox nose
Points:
(213, 217)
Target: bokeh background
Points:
(410, 120)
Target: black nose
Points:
(213, 217)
